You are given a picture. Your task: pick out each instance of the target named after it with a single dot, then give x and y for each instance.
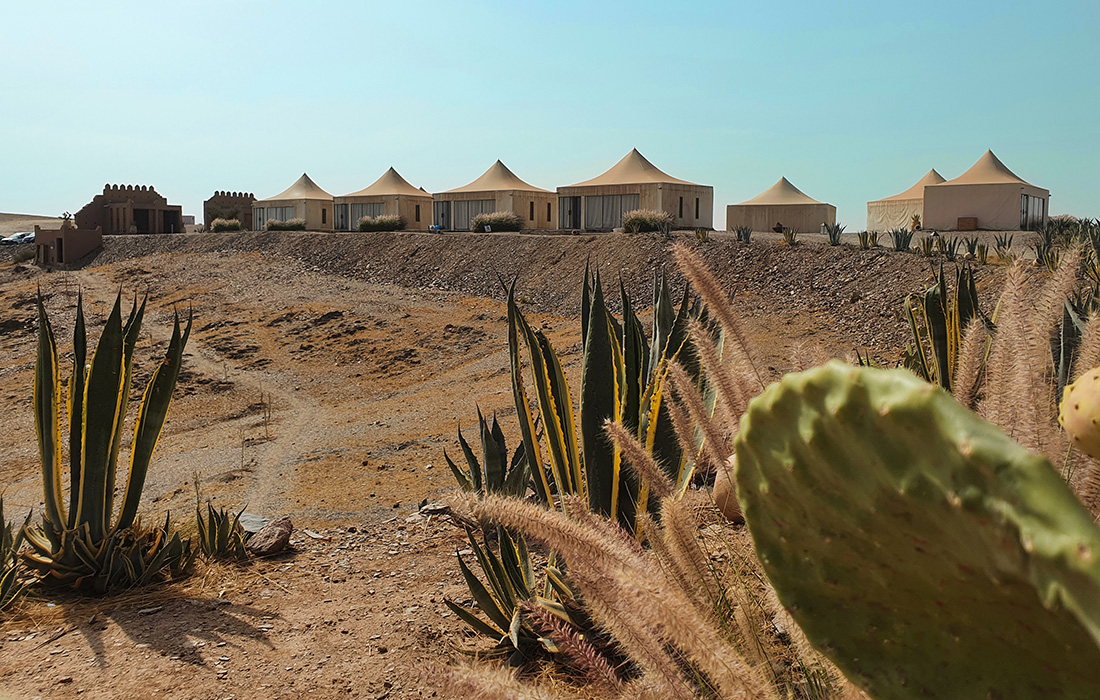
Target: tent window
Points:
(358, 211)
(681, 207)
(548, 212)
(324, 214)
(606, 211)
(531, 216)
(696, 207)
(418, 213)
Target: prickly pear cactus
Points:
(922, 550)
(1079, 412)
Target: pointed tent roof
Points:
(633, 169)
(989, 170)
(782, 192)
(917, 190)
(303, 188)
(391, 183)
(498, 177)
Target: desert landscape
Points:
(325, 377)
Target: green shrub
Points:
(288, 225)
(220, 533)
(384, 222)
(647, 221)
(744, 234)
(223, 225)
(497, 221)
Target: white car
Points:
(18, 238)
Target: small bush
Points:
(223, 225)
(744, 234)
(702, 235)
(497, 221)
(22, 255)
(288, 225)
(647, 221)
(790, 236)
(385, 222)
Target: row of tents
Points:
(988, 196)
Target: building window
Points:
(548, 211)
(681, 207)
(418, 213)
(531, 216)
(696, 207)
(324, 214)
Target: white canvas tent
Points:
(634, 183)
(989, 193)
(390, 194)
(498, 189)
(783, 204)
(896, 212)
(302, 200)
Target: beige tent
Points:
(991, 195)
(634, 183)
(898, 211)
(302, 200)
(784, 204)
(497, 190)
(390, 194)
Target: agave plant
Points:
(901, 239)
(89, 545)
(834, 231)
(867, 239)
(221, 535)
(938, 318)
(927, 246)
(790, 236)
(971, 243)
(11, 540)
(948, 248)
(494, 473)
(1002, 245)
(744, 234)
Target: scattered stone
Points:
(271, 539)
(253, 523)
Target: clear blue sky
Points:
(849, 100)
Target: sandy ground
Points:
(326, 385)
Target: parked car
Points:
(17, 238)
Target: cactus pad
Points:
(920, 549)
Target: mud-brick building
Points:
(130, 209)
(634, 183)
(64, 246)
(229, 205)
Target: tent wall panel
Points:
(889, 214)
(995, 206)
(805, 218)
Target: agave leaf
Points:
(150, 421)
(47, 398)
(471, 619)
(102, 409)
(76, 403)
(130, 333)
(477, 477)
(519, 474)
(510, 559)
(463, 479)
(483, 598)
(531, 447)
(601, 382)
(493, 454)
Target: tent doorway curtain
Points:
(442, 215)
(606, 211)
(569, 212)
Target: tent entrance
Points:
(442, 215)
(569, 212)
